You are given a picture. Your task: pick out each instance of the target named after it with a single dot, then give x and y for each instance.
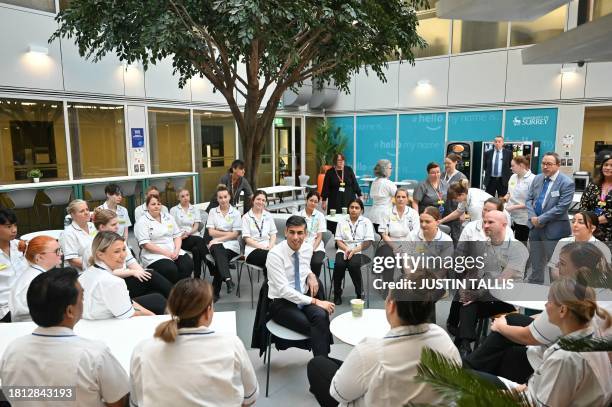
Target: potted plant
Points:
(35, 174)
(328, 142)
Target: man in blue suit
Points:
(549, 198)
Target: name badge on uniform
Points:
(341, 189)
(554, 193)
(170, 227)
(189, 215)
(3, 266)
(122, 221)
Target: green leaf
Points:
(584, 344)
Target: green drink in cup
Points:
(357, 307)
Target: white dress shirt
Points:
(11, 268)
(124, 218)
(57, 357)
(149, 230)
(382, 192)
(75, 241)
(354, 234)
(553, 178)
(105, 295)
(230, 222)
(185, 219)
(18, 302)
(382, 372)
(315, 224)
(260, 230)
(399, 228)
(142, 209)
(518, 188)
(281, 276)
(201, 367)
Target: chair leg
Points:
(251, 281)
(269, 351)
(239, 272)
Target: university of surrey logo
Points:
(516, 121)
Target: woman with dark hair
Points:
(114, 197)
(12, 261)
(518, 188)
(430, 192)
(451, 175)
(354, 234)
(316, 225)
(258, 231)
(597, 198)
(236, 185)
(339, 188)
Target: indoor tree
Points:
(251, 51)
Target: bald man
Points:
(504, 259)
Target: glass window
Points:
(478, 35)
(541, 29)
(596, 135)
(97, 137)
(32, 136)
(169, 131)
(601, 8)
(42, 5)
(434, 30)
(215, 144)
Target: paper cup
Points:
(332, 212)
(357, 307)
(344, 210)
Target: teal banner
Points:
(421, 142)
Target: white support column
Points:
(303, 143)
(68, 143)
(293, 147)
(273, 142)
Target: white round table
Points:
(353, 330)
(335, 218)
(524, 295)
(52, 233)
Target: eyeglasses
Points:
(58, 251)
(544, 164)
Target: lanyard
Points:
(436, 190)
(354, 231)
(339, 178)
(259, 228)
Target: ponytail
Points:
(167, 331)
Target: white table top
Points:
(278, 189)
(351, 330)
(335, 218)
(84, 181)
(121, 335)
(524, 295)
(52, 233)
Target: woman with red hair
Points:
(42, 253)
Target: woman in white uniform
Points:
(187, 362)
(258, 231)
(381, 192)
(518, 188)
(224, 224)
(105, 295)
(470, 201)
(142, 209)
(396, 229)
(430, 241)
(114, 197)
(77, 237)
(354, 234)
(159, 237)
(42, 253)
(12, 262)
(138, 280)
(187, 217)
(316, 225)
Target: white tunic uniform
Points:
(473, 203)
(354, 234)
(474, 232)
(129, 258)
(231, 222)
(105, 295)
(186, 218)
(382, 192)
(149, 230)
(122, 215)
(18, 302)
(518, 188)
(142, 209)
(554, 259)
(10, 269)
(314, 224)
(201, 367)
(57, 357)
(399, 228)
(259, 230)
(75, 241)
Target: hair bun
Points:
(22, 246)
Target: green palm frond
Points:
(328, 141)
(460, 387)
(586, 344)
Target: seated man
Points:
(381, 372)
(53, 356)
(503, 258)
(293, 288)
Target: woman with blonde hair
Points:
(381, 192)
(187, 217)
(42, 253)
(187, 362)
(77, 237)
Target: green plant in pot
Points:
(328, 142)
(35, 174)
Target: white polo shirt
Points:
(75, 241)
(261, 230)
(281, 274)
(201, 367)
(353, 234)
(105, 295)
(122, 215)
(518, 188)
(382, 192)
(18, 302)
(474, 232)
(149, 230)
(382, 372)
(185, 219)
(142, 209)
(315, 224)
(11, 268)
(399, 228)
(57, 357)
(230, 222)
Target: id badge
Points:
(341, 189)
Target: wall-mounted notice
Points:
(137, 137)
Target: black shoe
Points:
(465, 348)
(230, 286)
(338, 299)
